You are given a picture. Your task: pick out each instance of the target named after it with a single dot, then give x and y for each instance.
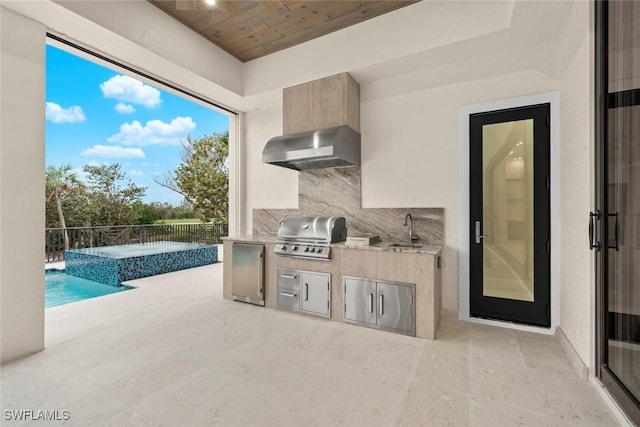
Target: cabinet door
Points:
(359, 300)
(395, 307)
(315, 293)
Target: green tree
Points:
(203, 176)
(112, 196)
(61, 182)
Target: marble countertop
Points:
(382, 246)
(386, 246)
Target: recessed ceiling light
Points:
(210, 2)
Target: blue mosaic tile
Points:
(94, 263)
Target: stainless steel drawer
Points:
(289, 298)
(289, 279)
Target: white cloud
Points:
(156, 173)
(56, 114)
(134, 172)
(155, 132)
(126, 89)
(113, 151)
(123, 108)
(80, 174)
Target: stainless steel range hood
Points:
(324, 148)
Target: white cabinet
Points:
(386, 305)
(305, 291)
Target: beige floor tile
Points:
(174, 353)
(499, 345)
(582, 409)
(484, 414)
(497, 383)
(545, 359)
(444, 369)
(426, 405)
(453, 339)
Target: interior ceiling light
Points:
(210, 2)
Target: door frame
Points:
(552, 98)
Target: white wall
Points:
(22, 77)
(576, 176)
(266, 186)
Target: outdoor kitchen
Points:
(330, 257)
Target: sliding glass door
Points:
(615, 224)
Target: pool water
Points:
(64, 289)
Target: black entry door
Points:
(509, 215)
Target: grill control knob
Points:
(319, 250)
(313, 249)
(283, 247)
(306, 249)
(295, 248)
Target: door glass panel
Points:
(623, 187)
(507, 175)
(623, 287)
(624, 46)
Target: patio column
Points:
(22, 217)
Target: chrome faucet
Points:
(409, 218)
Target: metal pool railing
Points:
(91, 237)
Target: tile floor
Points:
(173, 353)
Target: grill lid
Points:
(313, 229)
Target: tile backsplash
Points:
(336, 192)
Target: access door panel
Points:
(315, 293)
(395, 307)
(359, 300)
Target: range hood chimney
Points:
(320, 123)
(324, 148)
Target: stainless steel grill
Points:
(310, 236)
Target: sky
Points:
(98, 116)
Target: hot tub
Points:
(113, 265)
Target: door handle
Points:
(616, 232)
(370, 303)
(286, 294)
(479, 235)
(306, 292)
(288, 276)
(381, 303)
(593, 218)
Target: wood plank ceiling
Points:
(250, 29)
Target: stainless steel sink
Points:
(405, 245)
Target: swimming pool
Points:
(61, 288)
(113, 265)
